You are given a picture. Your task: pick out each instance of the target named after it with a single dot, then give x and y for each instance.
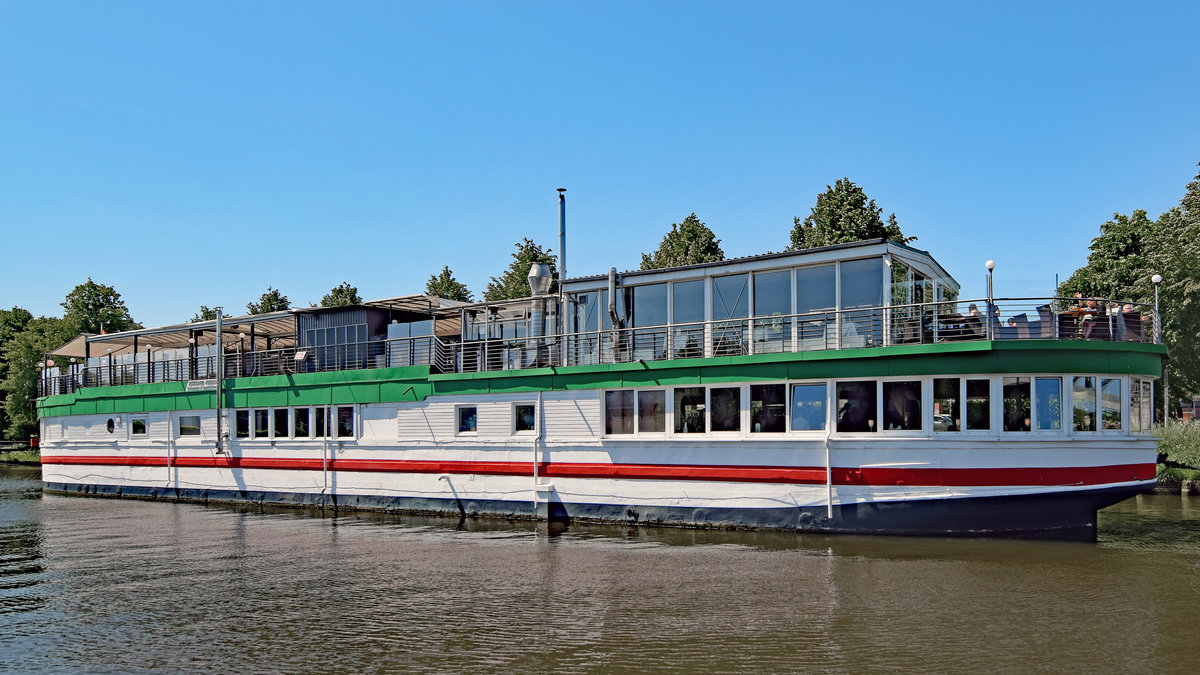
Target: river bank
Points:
(25, 456)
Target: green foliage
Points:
(95, 308)
(205, 313)
(24, 354)
(1132, 249)
(514, 282)
(271, 301)
(12, 322)
(844, 214)
(687, 243)
(29, 456)
(444, 285)
(342, 295)
(1173, 474)
(1179, 443)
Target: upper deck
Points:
(844, 297)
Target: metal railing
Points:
(925, 323)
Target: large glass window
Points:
(1110, 404)
(648, 306)
(768, 408)
(652, 411)
(687, 301)
(1017, 414)
(816, 296)
(862, 283)
(808, 407)
(947, 413)
(862, 287)
(730, 297)
(902, 406)
(687, 298)
(772, 304)
(979, 406)
(856, 406)
(1048, 396)
(618, 412)
(690, 410)
(1083, 403)
(137, 426)
(726, 405)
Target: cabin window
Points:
(726, 405)
(902, 406)
(189, 425)
(281, 422)
(110, 425)
(241, 422)
(262, 423)
(979, 405)
(524, 417)
(1141, 402)
(320, 422)
(618, 412)
(808, 407)
(947, 413)
(1048, 396)
(690, 409)
(468, 419)
(652, 411)
(1110, 404)
(345, 421)
(1083, 403)
(1017, 415)
(768, 408)
(300, 422)
(648, 307)
(137, 426)
(856, 406)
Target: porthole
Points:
(111, 425)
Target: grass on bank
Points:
(26, 456)
(1178, 451)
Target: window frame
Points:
(532, 431)
(458, 411)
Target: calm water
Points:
(103, 585)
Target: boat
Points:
(841, 389)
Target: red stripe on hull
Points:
(867, 476)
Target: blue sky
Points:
(196, 153)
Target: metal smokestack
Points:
(562, 235)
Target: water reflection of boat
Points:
(841, 389)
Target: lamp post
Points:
(991, 307)
(1157, 279)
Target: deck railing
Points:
(926, 323)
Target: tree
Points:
(444, 285)
(205, 313)
(23, 355)
(687, 243)
(341, 295)
(1132, 249)
(514, 283)
(12, 322)
(271, 301)
(844, 214)
(95, 308)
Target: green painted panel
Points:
(415, 383)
